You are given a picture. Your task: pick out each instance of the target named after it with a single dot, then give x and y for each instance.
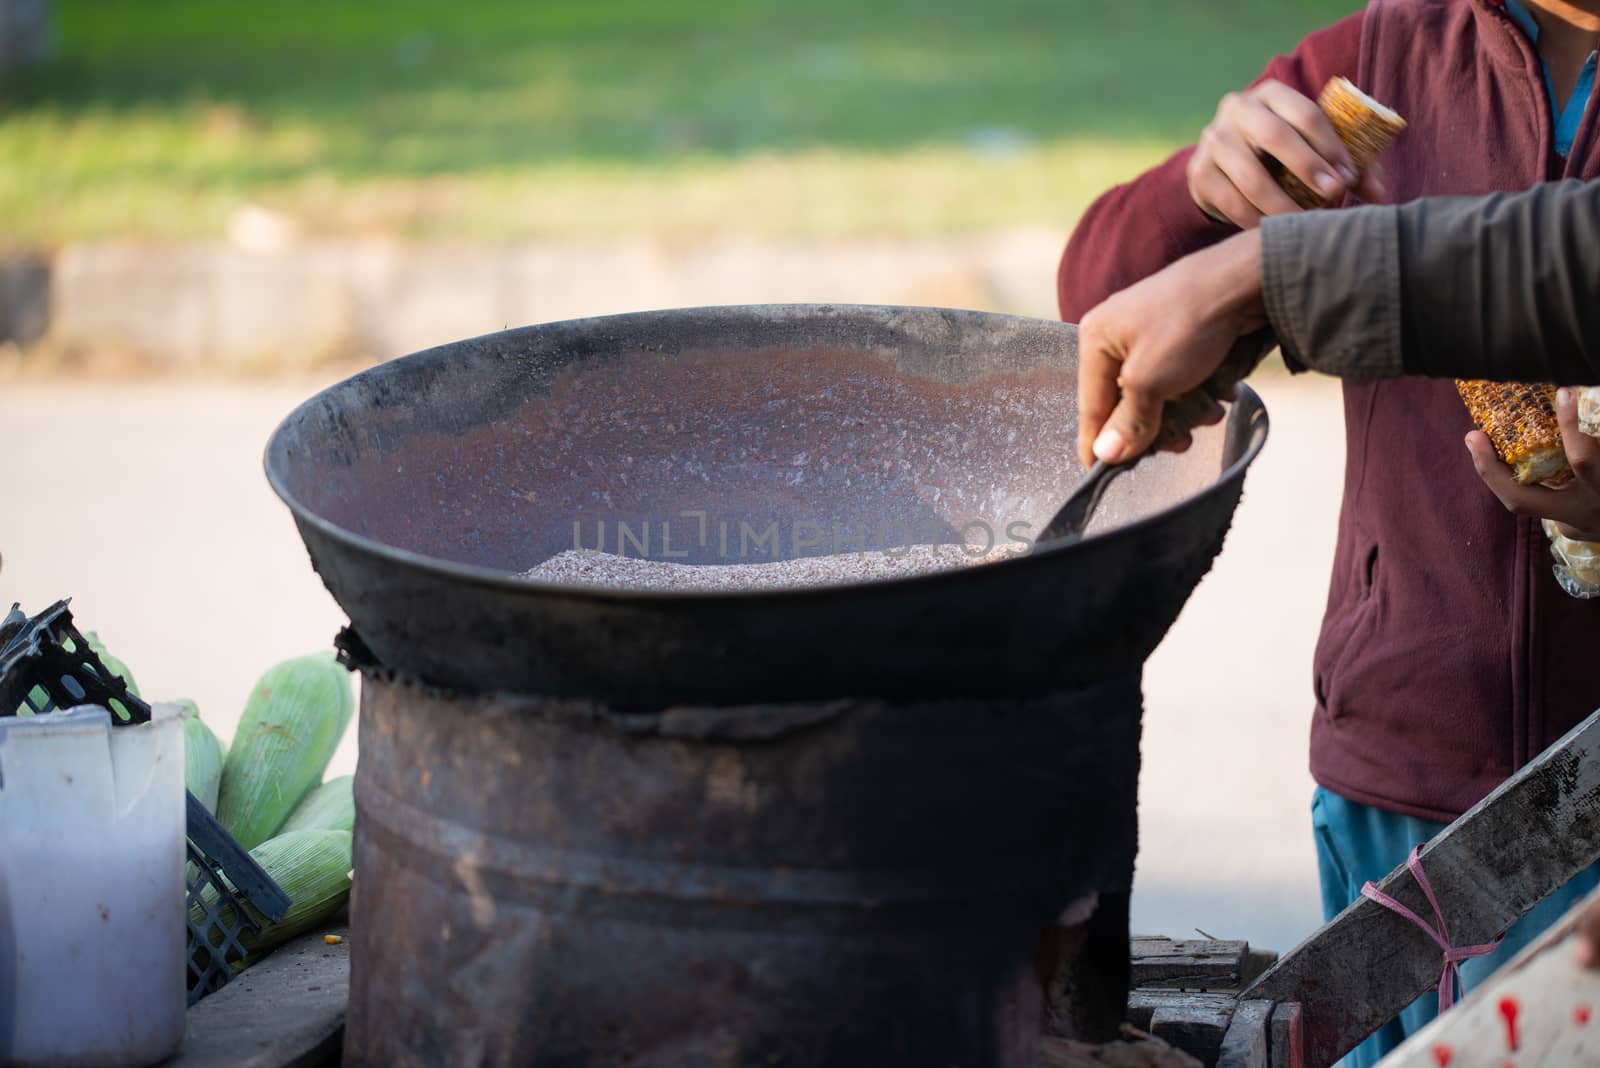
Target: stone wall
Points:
(219, 306)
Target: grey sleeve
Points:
(1502, 287)
(1331, 280)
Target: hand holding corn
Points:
(1271, 136)
(1269, 151)
(1574, 507)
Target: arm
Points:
(1138, 228)
(1502, 287)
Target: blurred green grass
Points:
(609, 117)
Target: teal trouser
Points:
(1358, 843)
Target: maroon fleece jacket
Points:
(1448, 655)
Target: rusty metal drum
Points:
(547, 881)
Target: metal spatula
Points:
(1069, 522)
(1179, 416)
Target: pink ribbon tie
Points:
(1453, 955)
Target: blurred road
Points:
(147, 504)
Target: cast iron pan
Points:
(424, 486)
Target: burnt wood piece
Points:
(1288, 1036)
(1059, 945)
(1488, 868)
(1247, 1042)
(1130, 1052)
(1211, 964)
(1195, 1023)
(1256, 962)
(1089, 1002)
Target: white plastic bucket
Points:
(92, 911)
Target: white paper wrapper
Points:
(1589, 410)
(1577, 563)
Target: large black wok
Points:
(424, 486)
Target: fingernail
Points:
(1350, 175)
(1563, 396)
(1108, 446)
(1328, 183)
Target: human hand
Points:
(1228, 178)
(1161, 340)
(1575, 507)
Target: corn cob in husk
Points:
(1521, 422)
(312, 867)
(202, 757)
(1365, 126)
(331, 806)
(291, 725)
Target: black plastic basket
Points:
(45, 664)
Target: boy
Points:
(1448, 655)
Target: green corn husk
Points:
(290, 728)
(331, 806)
(202, 757)
(312, 867)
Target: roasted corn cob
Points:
(1521, 422)
(1365, 126)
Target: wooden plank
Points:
(285, 1012)
(1211, 964)
(1256, 964)
(1246, 1042)
(1194, 1023)
(1488, 868)
(1142, 1004)
(1288, 1036)
(1540, 1009)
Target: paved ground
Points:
(147, 504)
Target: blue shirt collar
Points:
(1524, 18)
(1567, 119)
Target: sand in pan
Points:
(586, 567)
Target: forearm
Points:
(1504, 287)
